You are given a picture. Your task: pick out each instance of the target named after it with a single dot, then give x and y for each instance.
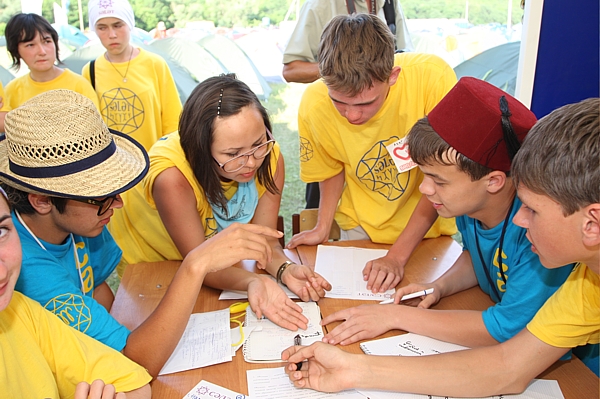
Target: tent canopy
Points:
(236, 61)
(497, 66)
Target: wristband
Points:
(282, 269)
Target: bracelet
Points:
(282, 269)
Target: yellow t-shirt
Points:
(146, 106)
(571, 317)
(23, 88)
(376, 196)
(137, 227)
(42, 357)
(2, 109)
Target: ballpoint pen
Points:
(409, 296)
(298, 342)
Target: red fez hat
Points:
(482, 122)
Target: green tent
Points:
(497, 66)
(236, 61)
(190, 55)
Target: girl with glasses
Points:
(222, 167)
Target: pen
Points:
(298, 342)
(409, 296)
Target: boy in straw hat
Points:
(462, 148)
(561, 213)
(135, 88)
(64, 170)
(44, 358)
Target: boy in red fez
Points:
(557, 176)
(464, 147)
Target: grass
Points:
(282, 105)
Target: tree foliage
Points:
(248, 13)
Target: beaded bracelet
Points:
(282, 269)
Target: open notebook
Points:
(267, 340)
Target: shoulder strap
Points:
(390, 15)
(350, 7)
(93, 74)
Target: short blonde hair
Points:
(355, 50)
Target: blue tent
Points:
(497, 66)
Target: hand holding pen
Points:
(429, 295)
(298, 342)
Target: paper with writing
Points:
(268, 340)
(275, 384)
(205, 389)
(205, 341)
(419, 345)
(343, 266)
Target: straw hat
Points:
(57, 144)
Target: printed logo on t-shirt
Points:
(377, 171)
(306, 150)
(500, 284)
(122, 109)
(210, 227)
(72, 310)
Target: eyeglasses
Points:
(103, 205)
(259, 152)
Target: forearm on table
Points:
(498, 369)
(418, 225)
(104, 295)
(459, 277)
(462, 327)
(279, 258)
(154, 340)
(331, 191)
(232, 278)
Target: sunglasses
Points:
(103, 205)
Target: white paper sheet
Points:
(268, 340)
(207, 390)
(231, 294)
(408, 345)
(205, 341)
(236, 337)
(343, 266)
(275, 384)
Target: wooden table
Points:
(144, 285)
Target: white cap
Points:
(121, 9)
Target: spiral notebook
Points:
(267, 340)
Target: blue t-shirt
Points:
(528, 283)
(50, 277)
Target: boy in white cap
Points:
(136, 90)
(64, 170)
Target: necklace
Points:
(126, 70)
(77, 264)
(485, 268)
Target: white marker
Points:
(409, 296)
